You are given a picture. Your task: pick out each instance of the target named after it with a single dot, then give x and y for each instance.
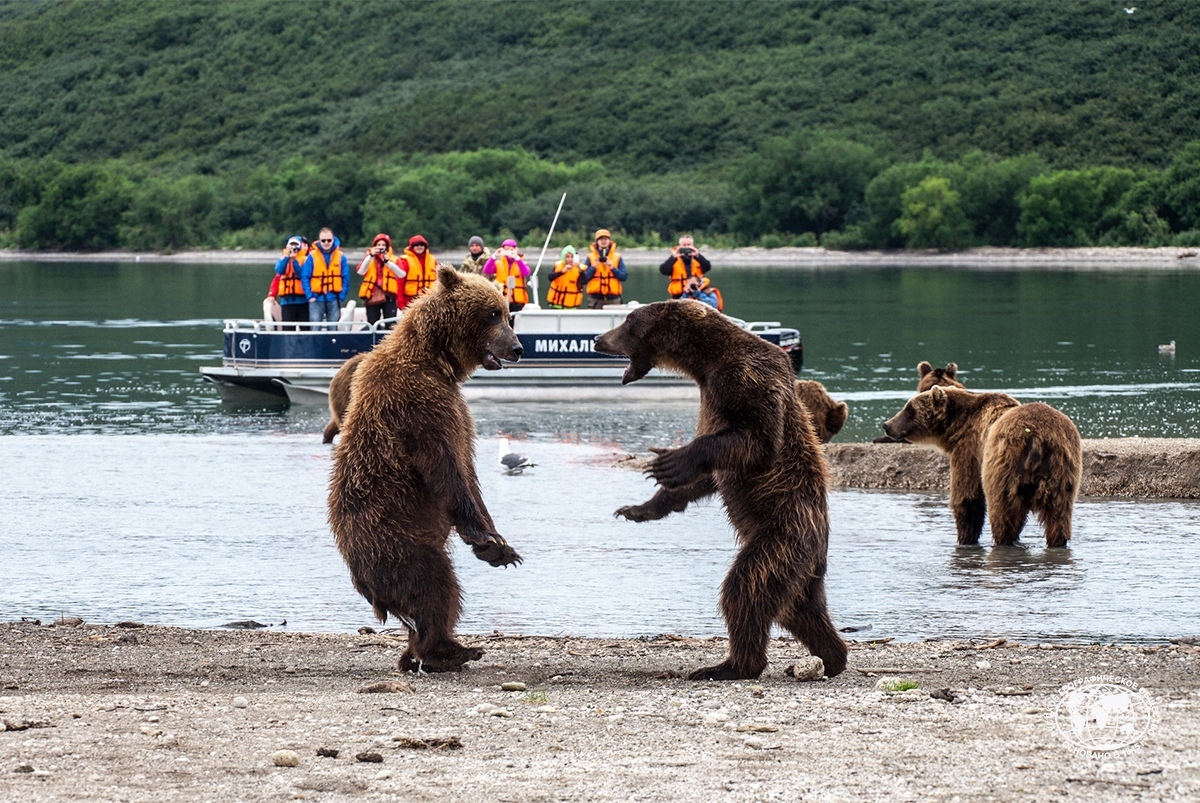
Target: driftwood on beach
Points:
(1163, 468)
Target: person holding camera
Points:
(381, 280)
(508, 269)
(698, 288)
(603, 271)
(685, 262)
(286, 288)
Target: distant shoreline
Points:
(808, 258)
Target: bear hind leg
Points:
(969, 516)
(1056, 521)
(423, 593)
(752, 596)
(1008, 520)
(807, 618)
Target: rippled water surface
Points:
(132, 494)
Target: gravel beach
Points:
(152, 713)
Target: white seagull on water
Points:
(513, 463)
(1167, 349)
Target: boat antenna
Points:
(545, 245)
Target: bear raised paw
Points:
(1007, 460)
(404, 472)
(755, 446)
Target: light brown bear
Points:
(404, 472)
(339, 395)
(927, 377)
(754, 446)
(827, 416)
(1007, 459)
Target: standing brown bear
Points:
(339, 396)
(827, 416)
(927, 377)
(404, 472)
(1007, 459)
(755, 446)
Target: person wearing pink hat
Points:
(420, 268)
(507, 268)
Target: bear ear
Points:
(448, 276)
(835, 419)
(924, 368)
(951, 369)
(938, 395)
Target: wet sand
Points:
(148, 713)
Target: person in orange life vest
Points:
(325, 277)
(286, 287)
(381, 279)
(685, 262)
(565, 290)
(507, 268)
(420, 268)
(603, 271)
(699, 289)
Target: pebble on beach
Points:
(285, 758)
(388, 687)
(806, 669)
(369, 758)
(240, 702)
(512, 685)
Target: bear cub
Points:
(404, 472)
(827, 416)
(755, 446)
(1007, 460)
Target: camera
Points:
(686, 250)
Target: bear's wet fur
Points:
(755, 446)
(404, 473)
(339, 396)
(1007, 460)
(827, 416)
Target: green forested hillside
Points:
(676, 105)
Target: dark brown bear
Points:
(927, 377)
(404, 472)
(827, 416)
(755, 446)
(1006, 460)
(339, 395)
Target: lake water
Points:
(132, 494)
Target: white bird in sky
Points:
(1130, 10)
(513, 463)
(1169, 348)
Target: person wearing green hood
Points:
(564, 291)
(477, 256)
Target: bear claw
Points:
(496, 554)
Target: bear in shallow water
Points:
(755, 446)
(404, 472)
(1007, 460)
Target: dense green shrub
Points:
(931, 215)
(80, 208)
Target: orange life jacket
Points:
(603, 282)
(680, 274)
(507, 268)
(289, 280)
(375, 272)
(420, 277)
(564, 289)
(327, 275)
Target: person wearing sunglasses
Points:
(326, 278)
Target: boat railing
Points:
(259, 326)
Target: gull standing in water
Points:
(512, 463)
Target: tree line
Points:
(807, 189)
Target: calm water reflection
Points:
(133, 494)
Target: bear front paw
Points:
(637, 513)
(670, 469)
(496, 553)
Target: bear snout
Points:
(514, 353)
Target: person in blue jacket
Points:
(326, 278)
(286, 288)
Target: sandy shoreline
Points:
(974, 258)
(153, 713)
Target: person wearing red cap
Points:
(508, 269)
(381, 274)
(604, 270)
(420, 268)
